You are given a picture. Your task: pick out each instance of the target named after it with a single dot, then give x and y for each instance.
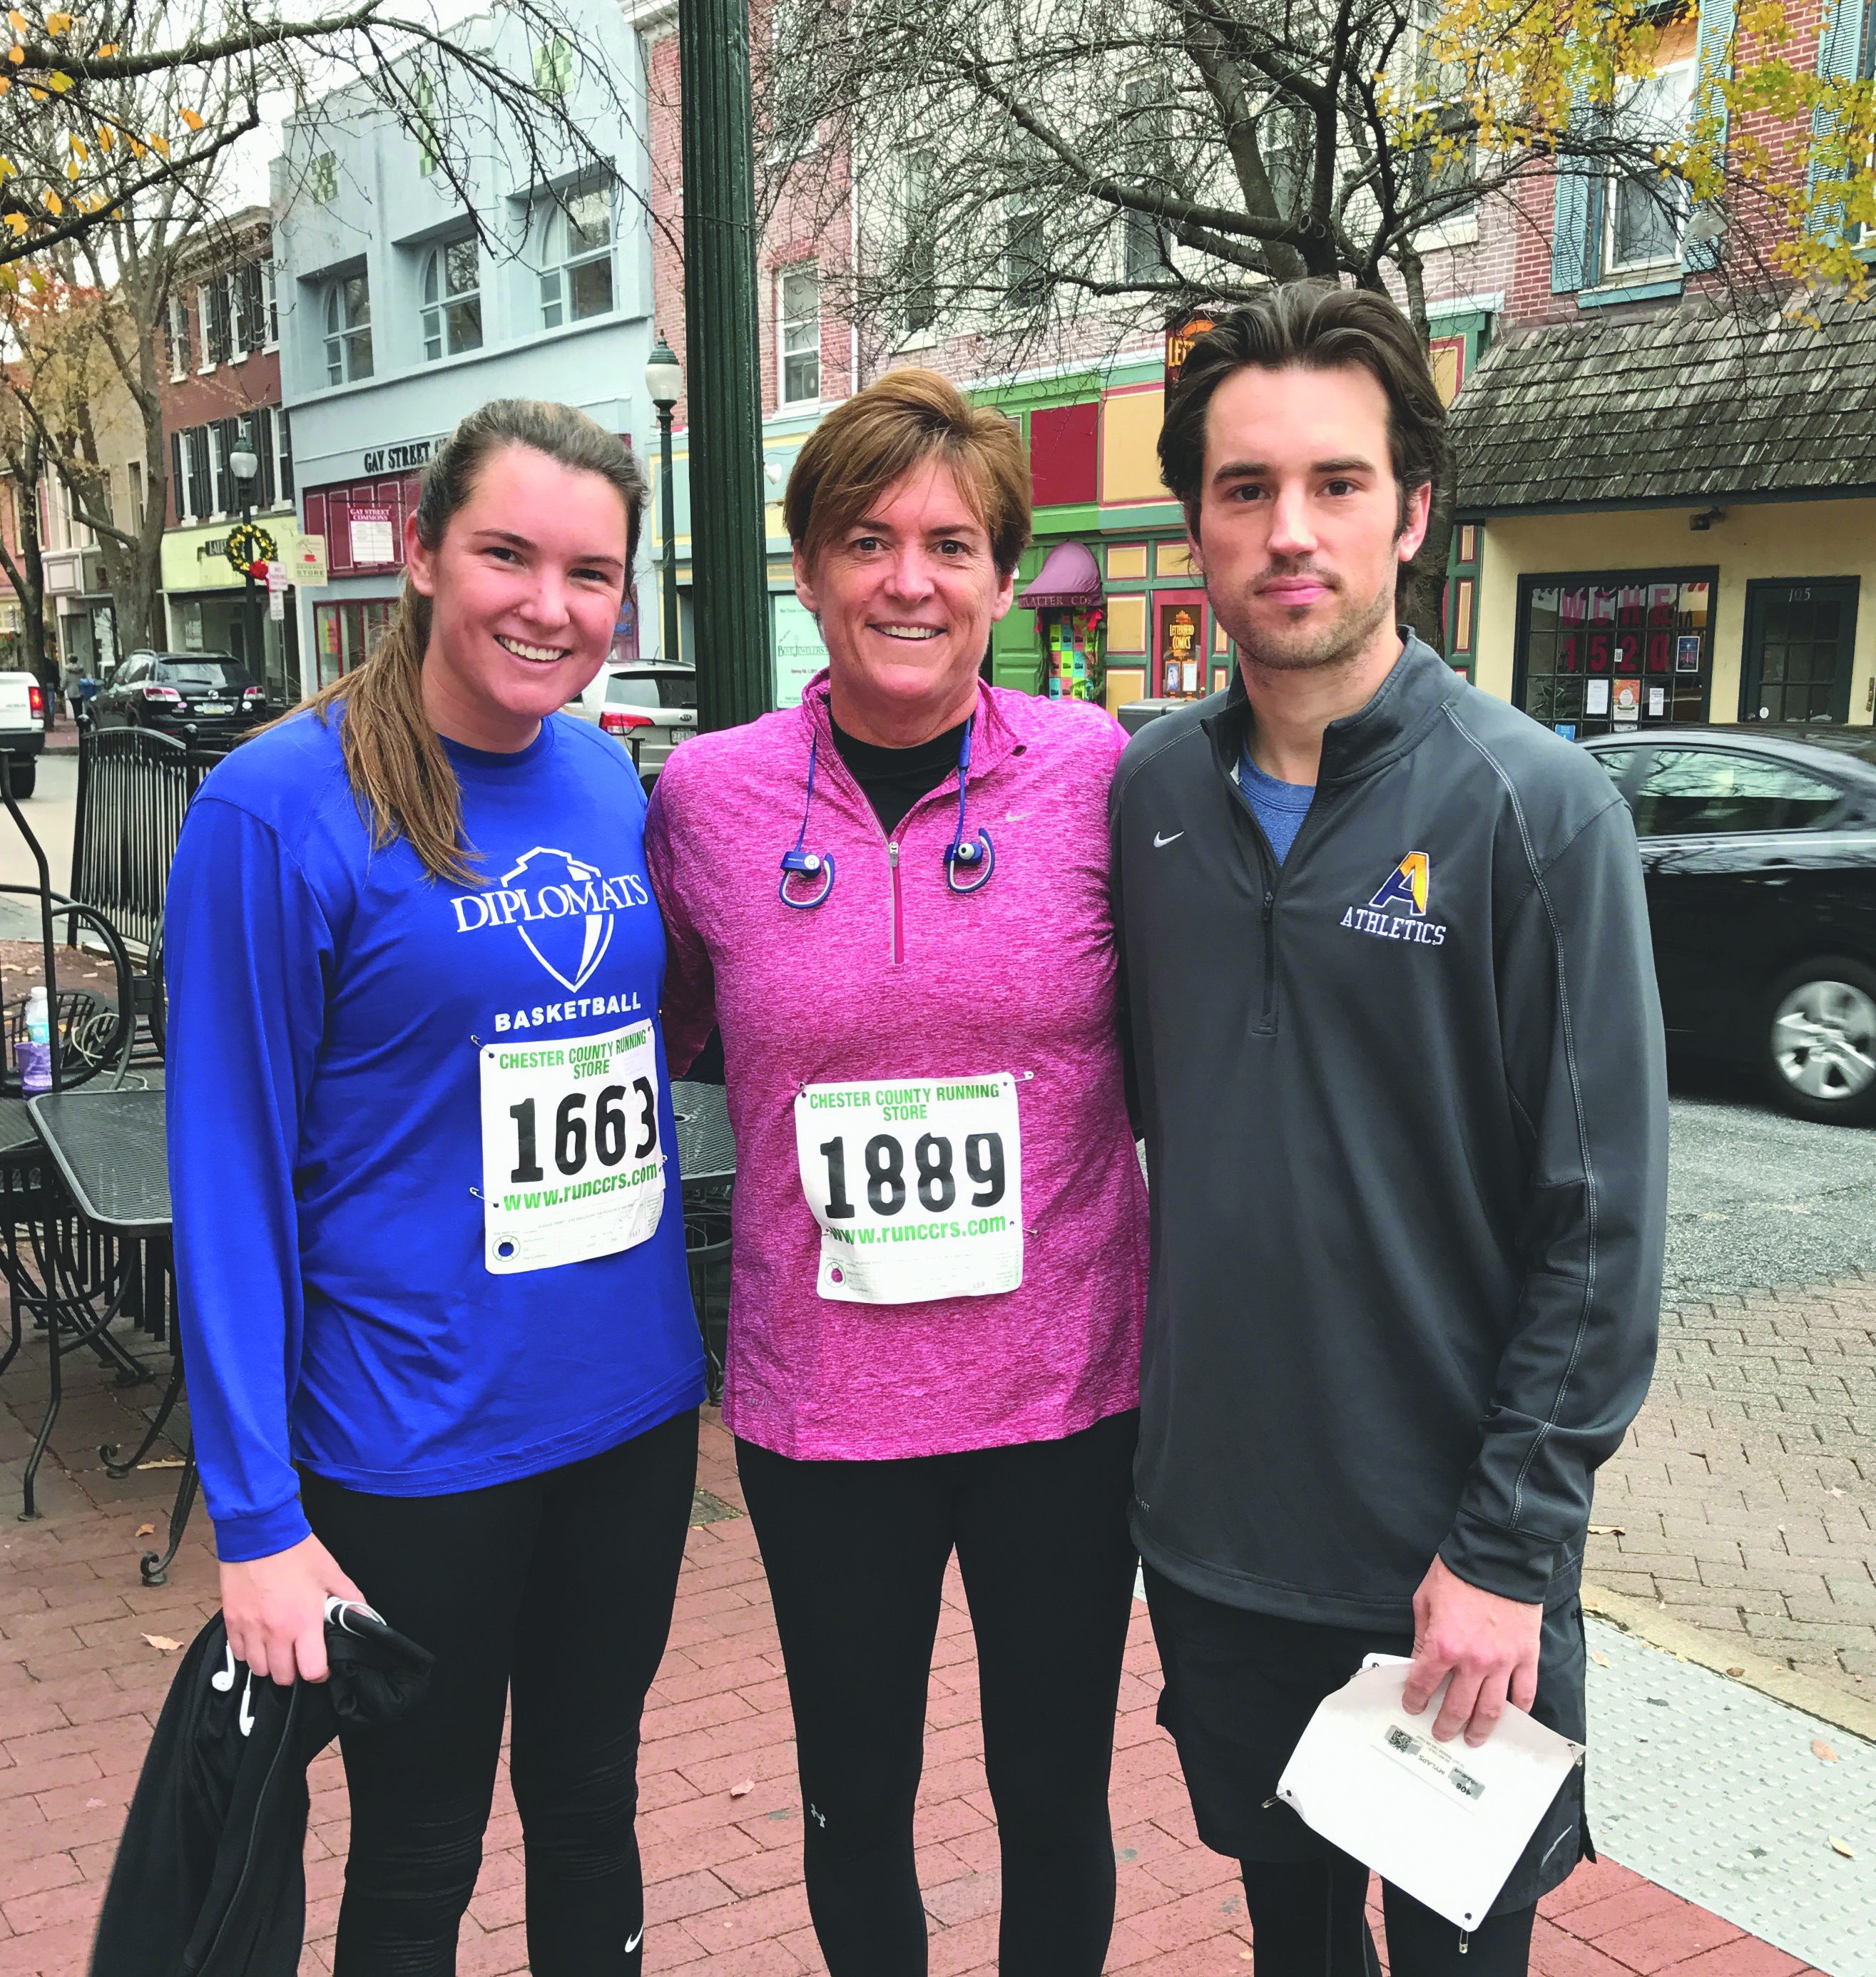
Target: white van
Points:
(22, 728)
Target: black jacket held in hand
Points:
(210, 1880)
(1406, 1124)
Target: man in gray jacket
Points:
(1394, 1020)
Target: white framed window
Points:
(452, 312)
(221, 480)
(797, 301)
(178, 336)
(280, 437)
(1025, 254)
(1645, 213)
(248, 288)
(347, 329)
(579, 283)
(205, 358)
(270, 304)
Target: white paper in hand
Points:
(1444, 1822)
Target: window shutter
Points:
(1717, 20)
(315, 522)
(284, 427)
(339, 531)
(1576, 207)
(179, 493)
(261, 418)
(1839, 43)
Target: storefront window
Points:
(343, 635)
(1624, 648)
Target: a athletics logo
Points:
(560, 905)
(1397, 912)
(1407, 885)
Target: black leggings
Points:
(856, 1554)
(1308, 1919)
(557, 1588)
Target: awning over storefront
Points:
(1068, 580)
(1696, 404)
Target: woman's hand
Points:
(274, 1610)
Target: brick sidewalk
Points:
(720, 1821)
(1744, 1497)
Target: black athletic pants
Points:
(856, 1554)
(1308, 1919)
(557, 1590)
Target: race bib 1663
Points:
(571, 1164)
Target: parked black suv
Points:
(194, 696)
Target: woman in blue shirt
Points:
(429, 1245)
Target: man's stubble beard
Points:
(1339, 643)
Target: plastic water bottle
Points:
(36, 1050)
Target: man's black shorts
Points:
(1241, 1687)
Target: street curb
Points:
(1649, 1622)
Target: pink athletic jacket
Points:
(895, 976)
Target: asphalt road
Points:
(50, 811)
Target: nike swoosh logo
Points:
(1160, 843)
(633, 1943)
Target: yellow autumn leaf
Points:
(159, 143)
(71, 170)
(16, 20)
(4, 85)
(59, 80)
(192, 120)
(58, 24)
(77, 146)
(136, 149)
(16, 54)
(18, 222)
(106, 138)
(54, 204)
(37, 95)
(107, 47)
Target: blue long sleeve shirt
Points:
(332, 1010)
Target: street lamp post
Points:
(664, 382)
(244, 464)
(730, 614)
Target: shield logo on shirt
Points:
(560, 914)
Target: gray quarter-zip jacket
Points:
(1406, 1126)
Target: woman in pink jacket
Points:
(893, 901)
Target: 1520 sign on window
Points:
(915, 1185)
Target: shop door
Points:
(1798, 638)
(1625, 650)
(1179, 655)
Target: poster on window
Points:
(1626, 702)
(1595, 697)
(1687, 652)
(372, 541)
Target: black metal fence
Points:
(133, 786)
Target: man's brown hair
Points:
(1311, 325)
(879, 435)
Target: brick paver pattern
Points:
(1744, 1497)
(80, 1684)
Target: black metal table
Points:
(111, 1150)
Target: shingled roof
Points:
(1693, 405)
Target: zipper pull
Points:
(1269, 907)
(891, 851)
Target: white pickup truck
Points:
(22, 728)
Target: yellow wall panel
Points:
(1125, 683)
(1174, 559)
(1130, 431)
(1127, 624)
(1127, 559)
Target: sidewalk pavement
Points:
(1743, 1501)
(85, 1661)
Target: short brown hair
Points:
(878, 436)
(1311, 325)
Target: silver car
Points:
(650, 707)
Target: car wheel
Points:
(1818, 1054)
(24, 775)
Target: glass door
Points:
(1799, 640)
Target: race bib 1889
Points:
(571, 1164)
(916, 1186)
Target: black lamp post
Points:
(730, 622)
(664, 382)
(244, 464)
